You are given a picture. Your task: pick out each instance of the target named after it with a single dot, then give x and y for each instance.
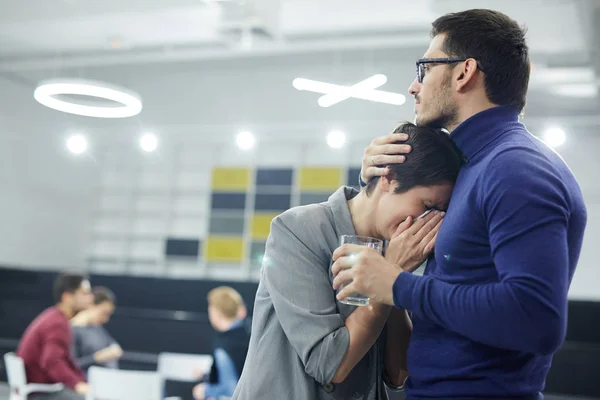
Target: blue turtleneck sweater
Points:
(491, 308)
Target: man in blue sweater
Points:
(491, 308)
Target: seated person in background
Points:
(305, 344)
(92, 344)
(243, 316)
(45, 345)
(230, 345)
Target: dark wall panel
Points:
(159, 314)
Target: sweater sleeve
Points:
(526, 210)
(56, 358)
(83, 360)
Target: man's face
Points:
(434, 105)
(82, 298)
(216, 318)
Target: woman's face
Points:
(100, 313)
(394, 208)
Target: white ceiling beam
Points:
(202, 53)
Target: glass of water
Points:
(375, 244)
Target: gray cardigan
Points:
(298, 330)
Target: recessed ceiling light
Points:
(245, 140)
(116, 43)
(336, 139)
(131, 103)
(77, 144)
(149, 142)
(554, 136)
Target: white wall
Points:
(53, 198)
(582, 157)
(49, 199)
(45, 201)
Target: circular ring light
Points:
(130, 102)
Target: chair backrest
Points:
(115, 384)
(15, 370)
(181, 367)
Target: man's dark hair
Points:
(434, 160)
(66, 283)
(498, 44)
(102, 294)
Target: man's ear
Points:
(466, 76)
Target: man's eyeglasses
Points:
(421, 65)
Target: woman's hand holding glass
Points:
(359, 269)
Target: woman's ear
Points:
(386, 184)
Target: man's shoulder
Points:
(521, 154)
(49, 321)
(51, 317)
(520, 146)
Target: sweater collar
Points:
(472, 135)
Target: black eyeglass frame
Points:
(421, 62)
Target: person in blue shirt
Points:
(491, 308)
(230, 347)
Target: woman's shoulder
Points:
(310, 224)
(316, 210)
(311, 217)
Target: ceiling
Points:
(72, 31)
(190, 59)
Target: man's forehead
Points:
(85, 285)
(435, 47)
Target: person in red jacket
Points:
(45, 345)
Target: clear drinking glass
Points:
(375, 244)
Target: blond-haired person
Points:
(225, 305)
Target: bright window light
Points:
(148, 142)
(77, 144)
(554, 137)
(336, 139)
(245, 140)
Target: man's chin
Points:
(434, 124)
(420, 121)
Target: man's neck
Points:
(468, 110)
(65, 310)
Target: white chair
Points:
(17, 380)
(115, 384)
(181, 367)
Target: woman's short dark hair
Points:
(102, 294)
(434, 159)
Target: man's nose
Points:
(414, 88)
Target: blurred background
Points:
(165, 204)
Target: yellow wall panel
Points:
(229, 179)
(261, 225)
(224, 249)
(320, 179)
